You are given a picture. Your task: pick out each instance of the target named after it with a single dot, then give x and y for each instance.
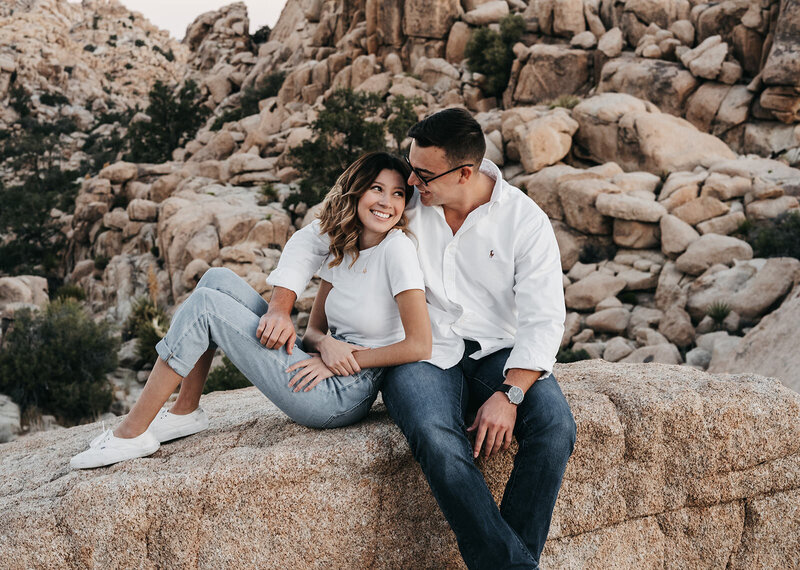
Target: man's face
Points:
(429, 162)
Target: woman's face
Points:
(381, 206)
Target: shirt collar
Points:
(500, 190)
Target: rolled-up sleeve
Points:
(539, 298)
(301, 258)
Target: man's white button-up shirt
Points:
(497, 281)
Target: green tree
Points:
(344, 129)
(402, 118)
(57, 361)
(261, 35)
(490, 53)
(173, 120)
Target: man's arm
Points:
(539, 297)
(301, 258)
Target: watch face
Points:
(515, 395)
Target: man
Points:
(494, 290)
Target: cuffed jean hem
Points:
(166, 354)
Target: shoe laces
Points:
(102, 438)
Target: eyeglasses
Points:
(426, 181)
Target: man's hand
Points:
(494, 424)
(275, 327)
(338, 355)
(275, 330)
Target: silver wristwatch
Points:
(514, 393)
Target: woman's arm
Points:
(418, 342)
(317, 328)
(416, 346)
(337, 355)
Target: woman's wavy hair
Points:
(339, 214)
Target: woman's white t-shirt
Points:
(361, 306)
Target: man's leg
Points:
(427, 404)
(545, 432)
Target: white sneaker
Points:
(168, 426)
(107, 449)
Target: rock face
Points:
(661, 451)
(770, 347)
(79, 50)
(620, 128)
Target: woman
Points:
(371, 299)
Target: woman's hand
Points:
(312, 371)
(338, 355)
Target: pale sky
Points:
(175, 15)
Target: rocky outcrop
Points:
(98, 55)
(637, 136)
(770, 347)
(661, 452)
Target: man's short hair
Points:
(456, 132)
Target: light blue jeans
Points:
(224, 311)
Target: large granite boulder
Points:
(615, 127)
(672, 468)
(770, 347)
(664, 83)
(550, 72)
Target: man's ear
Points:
(466, 173)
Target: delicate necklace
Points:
(371, 252)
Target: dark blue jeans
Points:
(430, 407)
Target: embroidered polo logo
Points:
(491, 254)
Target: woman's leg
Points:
(160, 385)
(163, 380)
(226, 281)
(192, 386)
(210, 317)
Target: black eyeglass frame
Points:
(426, 181)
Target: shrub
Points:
(57, 360)
(261, 35)
(53, 99)
(718, 311)
(774, 238)
(593, 252)
(120, 201)
(225, 377)
(89, 47)
(268, 193)
(147, 322)
(490, 53)
(101, 262)
(569, 355)
(138, 43)
(565, 101)
(70, 291)
(148, 336)
(20, 101)
(168, 55)
(172, 121)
